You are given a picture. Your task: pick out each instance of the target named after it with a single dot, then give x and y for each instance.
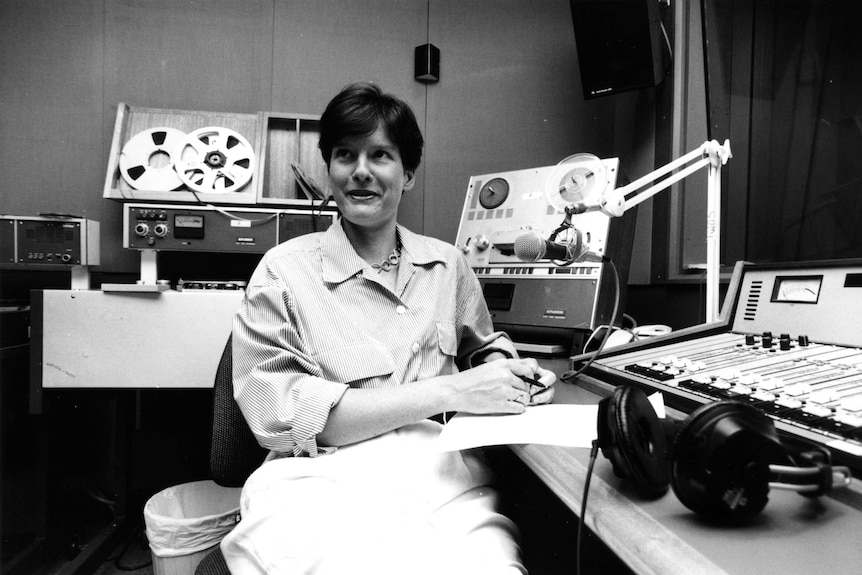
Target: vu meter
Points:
(793, 289)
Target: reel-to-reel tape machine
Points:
(184, 156)
(213, 159)
(539, 252)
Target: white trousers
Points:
(391, 505)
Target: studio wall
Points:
(508, 98)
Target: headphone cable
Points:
(594, 451)
(572, 375)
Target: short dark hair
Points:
(357, 111)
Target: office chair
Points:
(234, 452)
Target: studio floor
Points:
(131, 557)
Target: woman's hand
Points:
(499, 387)
(541, 395)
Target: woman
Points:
(347, 342)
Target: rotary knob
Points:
(482, 242)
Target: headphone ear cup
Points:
(633, 438)
(720, 460)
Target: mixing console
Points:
(788, 342)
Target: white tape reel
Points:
(145, 161)
(580, 178)
(214, 160)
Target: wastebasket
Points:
(185, 522)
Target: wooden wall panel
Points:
(320, 47)
(509, 98)
(209, 55)
(51, 107)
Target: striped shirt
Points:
(315, 320)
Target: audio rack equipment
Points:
(49, 242)
(166, 227)
(203, 285)
(788, 343)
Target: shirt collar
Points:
(340, 260)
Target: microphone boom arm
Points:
(712, 155)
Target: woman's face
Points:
(367, 178)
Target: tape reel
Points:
(578, 179)
(145, 161)
(214, 160)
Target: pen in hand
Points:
(532, 382)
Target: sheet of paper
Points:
(555, 424)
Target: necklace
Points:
(389, 262)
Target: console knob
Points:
(482, 242)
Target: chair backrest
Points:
(234, 451)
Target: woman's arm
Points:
(493, 387)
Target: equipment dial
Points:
(494, 193)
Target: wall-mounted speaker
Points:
(621, 46)
(427, 63)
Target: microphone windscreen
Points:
(529, 247)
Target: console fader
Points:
(789, 342)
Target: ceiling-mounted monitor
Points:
(621, 45)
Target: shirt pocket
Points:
(355, 362)
(447, 338)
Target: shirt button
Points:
(400, 309)
(415, 347)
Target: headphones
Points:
(721, 461)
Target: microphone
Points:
(531, 247)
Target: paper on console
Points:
(555, 424)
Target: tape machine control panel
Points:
(541, 266)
